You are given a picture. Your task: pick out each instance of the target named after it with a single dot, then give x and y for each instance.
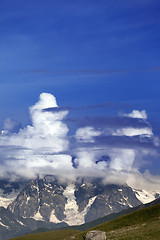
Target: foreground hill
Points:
(142, 224)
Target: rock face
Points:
(39, 199)
(108, 198)
(13, 226)
(8, 191)
(95, 235)
(50, 201)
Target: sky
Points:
(100, 59)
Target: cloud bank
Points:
(114, 151)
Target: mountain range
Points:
(137, 223)
(47, 203)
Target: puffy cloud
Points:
(122, 159)
(133, 132)
(114, 152)
(140, 181)
(137, 114)
(46, 100)
(10, 126)
(86, 134)
(34, 148)
(125, 148)
(135, 179)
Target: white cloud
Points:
(133, 132)
(147, 181)
(34, 147)
(130, 131)
(86, 134)
(137, 114)
(10, 126)
(122, 159)
(40, 148)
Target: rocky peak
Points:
(85, 200)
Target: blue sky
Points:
(84, 52)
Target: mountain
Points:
(47, 200)
(11, 225)
(9, 191)
(141, 224)
(113, 216)
(47, 203)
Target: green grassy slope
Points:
(140, 225)
(51, 235)
(113, 216)
(143, 224)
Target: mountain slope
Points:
(46, 203)
(9, 191)
(142, 224)
(47, 200)
(109, 217)
(113, 216)
(11, 225)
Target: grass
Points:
(140, 225)
(51, 235)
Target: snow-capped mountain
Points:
(47, 203)
(47, 200)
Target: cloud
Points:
(10, 126)
(114, 150)
(137, 114)
(86, 134)
(35, 147)
(140, 181)
(133, 132)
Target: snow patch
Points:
(126, 199)
(122, 203)
(4, 225)
(21, 223)
(53, 218)
(73, 216)
(38, 216)
(83, 185)
(120, 190)
(46, 204)
(28, 198)
(145, 196)
(110, 207)
(4, 202)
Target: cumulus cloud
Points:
(86, 134)
(10, 126)
(137, 114)
(33, 150)
(113, 151)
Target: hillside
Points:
(113, 216)
(142, 224)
